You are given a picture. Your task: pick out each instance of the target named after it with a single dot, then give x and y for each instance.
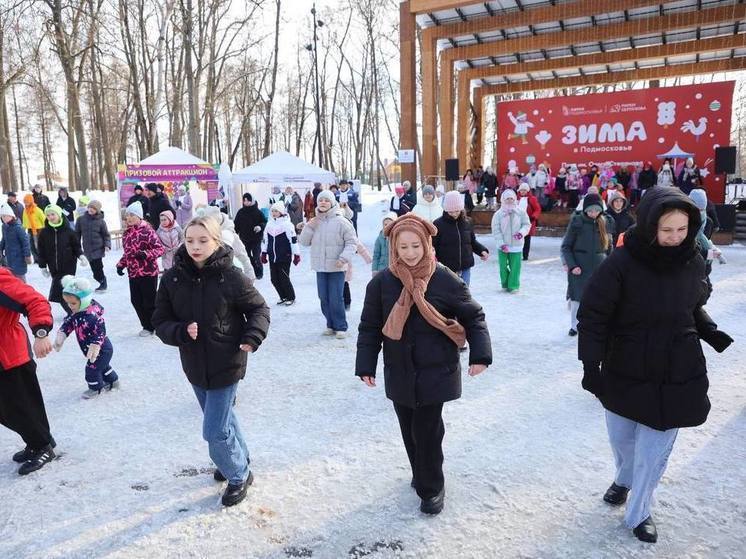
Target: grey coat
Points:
(331, 238)
(93, 234)
(581, 247)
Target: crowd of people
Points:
(636, 291)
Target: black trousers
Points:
(279, 274)
(97, 267)
(422, 431)
(22, 406)
(142, 297)
(526, 246)
(254, 250)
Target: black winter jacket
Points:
(157, 204)
(68, 206)
(641, 317)
(647, 179)
(225, 306)
(455, 243)
(246, 219)
(59, 249)
(489, 181)
(423, 367)
(622, 221)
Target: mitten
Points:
(592, 377)
(505, 248)
(93, 351)
(257, 228)
(296, 259)
(120, 271)
(518, 236)
(59, 341)
(264, 258)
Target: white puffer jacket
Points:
(331, 238)
(428, 210)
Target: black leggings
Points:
(142, 297)
(279, 274)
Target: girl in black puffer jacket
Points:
(641, 322)
(455, 243)
(211, 312)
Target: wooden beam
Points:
(429, 115)
(533, 16)
(647, 26)
(445, 111)
(462, 143)
(702, 46)
(478, 155)
(408, 88)
(427, 6)
(689, 69)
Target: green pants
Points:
(510, 270)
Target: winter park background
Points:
(527, 456)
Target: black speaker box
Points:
(452, 173)
(726, 216)
(725, 160)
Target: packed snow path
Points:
(527, 457)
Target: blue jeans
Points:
(465, 275)
(641, 454)
(223, 434)
(331, 294)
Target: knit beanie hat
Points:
(399, 190)
(80, 288)
(135, 209)
(508, 198)
(592, 202)
(453, 201)
(6, 210)
(248, 197)
(427, 189)
(524, 187)
(414, 224)
(95, 204)
(328, 196)
(153, 187)
(56, 210)
(390, 215)
(84, 200)
(699, 197)
(278, 207)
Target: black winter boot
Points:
(38, 460)
(616, 494)
(234, 494)
(217, 475)
(646, 531)
(433, 505)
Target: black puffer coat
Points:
(157, 204)
(423, 367)
(455, 243)
(59, 249)
(228, 312)
(641, 317)
(622, 221)
(246, 219)
(68, 206)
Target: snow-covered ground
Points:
(527, 457)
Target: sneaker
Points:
(37, 461)
(646, 531)
(100, 290)
(328, 332)
(340, 335)
(433, 505)
(113, 386)
(289, 302)
(27, 453)
(145, 333)
(234, 494)
(572, 332)
(90, 394)
(280, 302)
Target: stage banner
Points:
(622, 128)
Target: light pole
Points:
(314, 50)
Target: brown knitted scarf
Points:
(414, 280)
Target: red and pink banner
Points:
(623, 128)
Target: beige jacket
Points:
(331, 238)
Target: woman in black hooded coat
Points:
(641, 321)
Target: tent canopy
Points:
(283, 168)
(172, 156)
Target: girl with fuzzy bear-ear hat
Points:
(422, 314)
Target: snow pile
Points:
(527, 457)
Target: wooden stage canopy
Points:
(472, 50)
